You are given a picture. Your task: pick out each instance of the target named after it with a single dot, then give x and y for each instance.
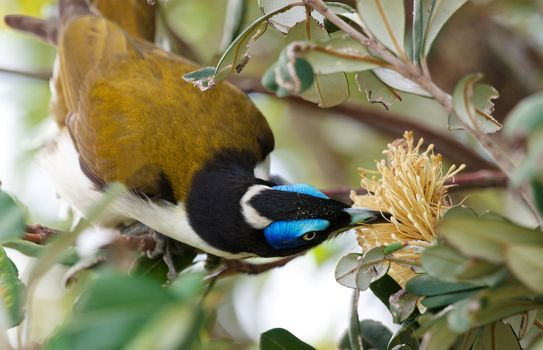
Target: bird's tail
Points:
(137, 17)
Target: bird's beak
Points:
(361, 216)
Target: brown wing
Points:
(134, 119)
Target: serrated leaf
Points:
(498, 336)
(526, 117)
(235, 57)
(376, 91)
(386, 21)
(281, 339)
(439, 13)
(399, 82)
(284, 21)
(484, 237)
(12, 218)
(11, 290)
(346, 270)
(471, 102)
(526, 263)
(327, 89)
(402, 305)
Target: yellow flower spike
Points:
(412, 189)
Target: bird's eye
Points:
(309, 236)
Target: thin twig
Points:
(43, 75)
(234, 267)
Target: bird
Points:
(194, 165)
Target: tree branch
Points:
(461, 182)
(44, 75)
(388, 123)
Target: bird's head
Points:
(294, 218)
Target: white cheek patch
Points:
(251, 215)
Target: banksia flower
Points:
(412, 188)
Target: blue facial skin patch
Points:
(287, 234)
(301, 188)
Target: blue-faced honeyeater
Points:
(193, 163)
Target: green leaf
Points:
(174, 327)
(372, 268)
(472, 104)
(201, 78)
(531, 167)
(12, 219)
(438, 12)
(68, 257)
(113, 310)
(425, 285)
(497, 311)
(375, 335)
(397, 81)
(284, 21)
(526, 117)
(441, 262)
(235, 57)
(336, 55)
(236, 11)
(526, 263)
(281, 339)
(376, 91)
(466, 341)
(443, 300)
(386, 20)
(405, 335)
(346, 270)
(537, 188)
(384, 287)
(438, 336)
(485, 237)
(327, 90)
(417, 36)
(402, 305)
(11, 290)
(158, 269)
(458, 319)
(498, 336)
